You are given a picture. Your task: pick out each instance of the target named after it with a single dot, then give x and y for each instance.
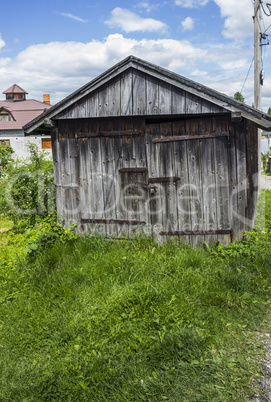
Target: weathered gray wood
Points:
(103, 102)
(192, 104)
(182, 186)
(164, 100)
(152, 95)
(221, 147)
(195, 181)
(139, 93)
(191, 137)
(74, 180)
(126, 94)
(208, 182)
(168, 169)
(114, 99)
(156, 199)
(252, 173)
(92, 105)
(177, 100)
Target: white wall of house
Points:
(19, 145)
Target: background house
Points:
(15, 112)
(140, 149)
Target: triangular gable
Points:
(5, 111)
(96, 98)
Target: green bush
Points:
(5, 158)
(27, 190)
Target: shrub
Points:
(27, 190)
(5, 158)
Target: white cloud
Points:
(2, 43)
(188, 24)
(191, 3)
(146, 6)
(238, 18)
(131, 22)
(73, 17)
(59, 68)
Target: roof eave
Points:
(262, 120)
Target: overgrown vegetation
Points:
(27, 188)
(6, 152)
(93, 319)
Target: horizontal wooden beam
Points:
(133, 170)
(114, 221)
(191, 137)
(198, 232)
(163, 179)
(95, 134)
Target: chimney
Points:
(46, 98)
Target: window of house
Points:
(5, 142)
(46, 143)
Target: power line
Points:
(247, 74)
(268, 5)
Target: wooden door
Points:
(113, 174)
(190, 171)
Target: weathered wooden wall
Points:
(134, 93)
(125, 175)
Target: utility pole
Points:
(257, 56)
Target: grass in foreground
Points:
(97, 320)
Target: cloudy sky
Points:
(56, 46)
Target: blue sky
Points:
(56, 46)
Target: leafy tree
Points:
(5, 157)
(239, 97)
(269, 111)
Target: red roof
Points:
(23, 112)
(15, 89)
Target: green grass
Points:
(101, 320)
(5, 223)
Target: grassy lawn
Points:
(101, 320)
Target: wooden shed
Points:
(140, 149)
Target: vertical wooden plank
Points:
(182, 186)
(222, 179)
(157, 198)
(233, 182)
(126, 93)
(139, 93)
(103, 108)
(83, 176)
(208, 180)
(241, 177)
(168, 169)
(195, 182)
(192, 104)
(114, 98)
(177, 101)
(152, 95)
(164, 98)
(74, 182)
(92, 105)
(58, 176)
(252, 173)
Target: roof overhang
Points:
(259, 118)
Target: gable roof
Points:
(15, 89)
(22, 112)
(261, 119)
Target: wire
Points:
(268, 5)
(266, 29)
(247, 74)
